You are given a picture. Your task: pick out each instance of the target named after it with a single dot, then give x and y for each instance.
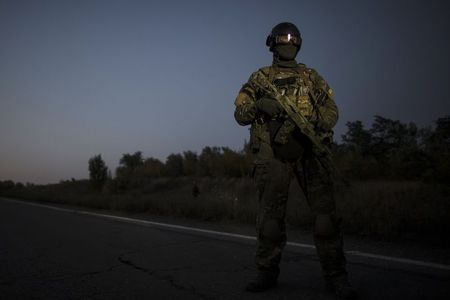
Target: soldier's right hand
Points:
(269, 106)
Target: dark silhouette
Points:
(98, 171)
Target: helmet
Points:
(284, 33)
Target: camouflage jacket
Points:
(298, 84)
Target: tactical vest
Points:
(296, 84)
(286, 140)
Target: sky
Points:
(80, 78)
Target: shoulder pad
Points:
(313, 74)
(302, 69)
(307, 70)
(265, 70)
(311, 70)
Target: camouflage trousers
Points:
(273, 178)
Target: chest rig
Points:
(296, 84)
(286, 140)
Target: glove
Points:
(269, 106)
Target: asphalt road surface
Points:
(50, 253)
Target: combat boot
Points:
(263, 281)
(341, 287)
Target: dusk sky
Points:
(79, 78)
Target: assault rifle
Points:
(322, 153)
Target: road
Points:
(56, 253)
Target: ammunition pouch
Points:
(258, 134)
(284, 132)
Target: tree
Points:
(132, 161)
(389, 148)
(357, 138)
(174, 165)
(6, 185)
(437, 147)
(390, 135)
(234, 164)
(439, 139)
(128, 164)
(98, 171)
(209, 161)
(396, 148)
(190, 161)
(152, 167)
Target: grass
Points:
(382, 209)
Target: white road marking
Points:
(227, 234)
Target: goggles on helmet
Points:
(287, 39)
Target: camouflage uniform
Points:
(281, 152)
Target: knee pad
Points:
(326, 225)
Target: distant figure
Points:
(195, 190)
(292, 113)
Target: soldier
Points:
(282, 151)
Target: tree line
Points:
(211, 162)
(389, 149)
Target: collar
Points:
(284, 63)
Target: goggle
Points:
(287, 39)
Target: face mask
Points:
(286, 52)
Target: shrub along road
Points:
(57, 254)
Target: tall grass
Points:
(387, 209)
